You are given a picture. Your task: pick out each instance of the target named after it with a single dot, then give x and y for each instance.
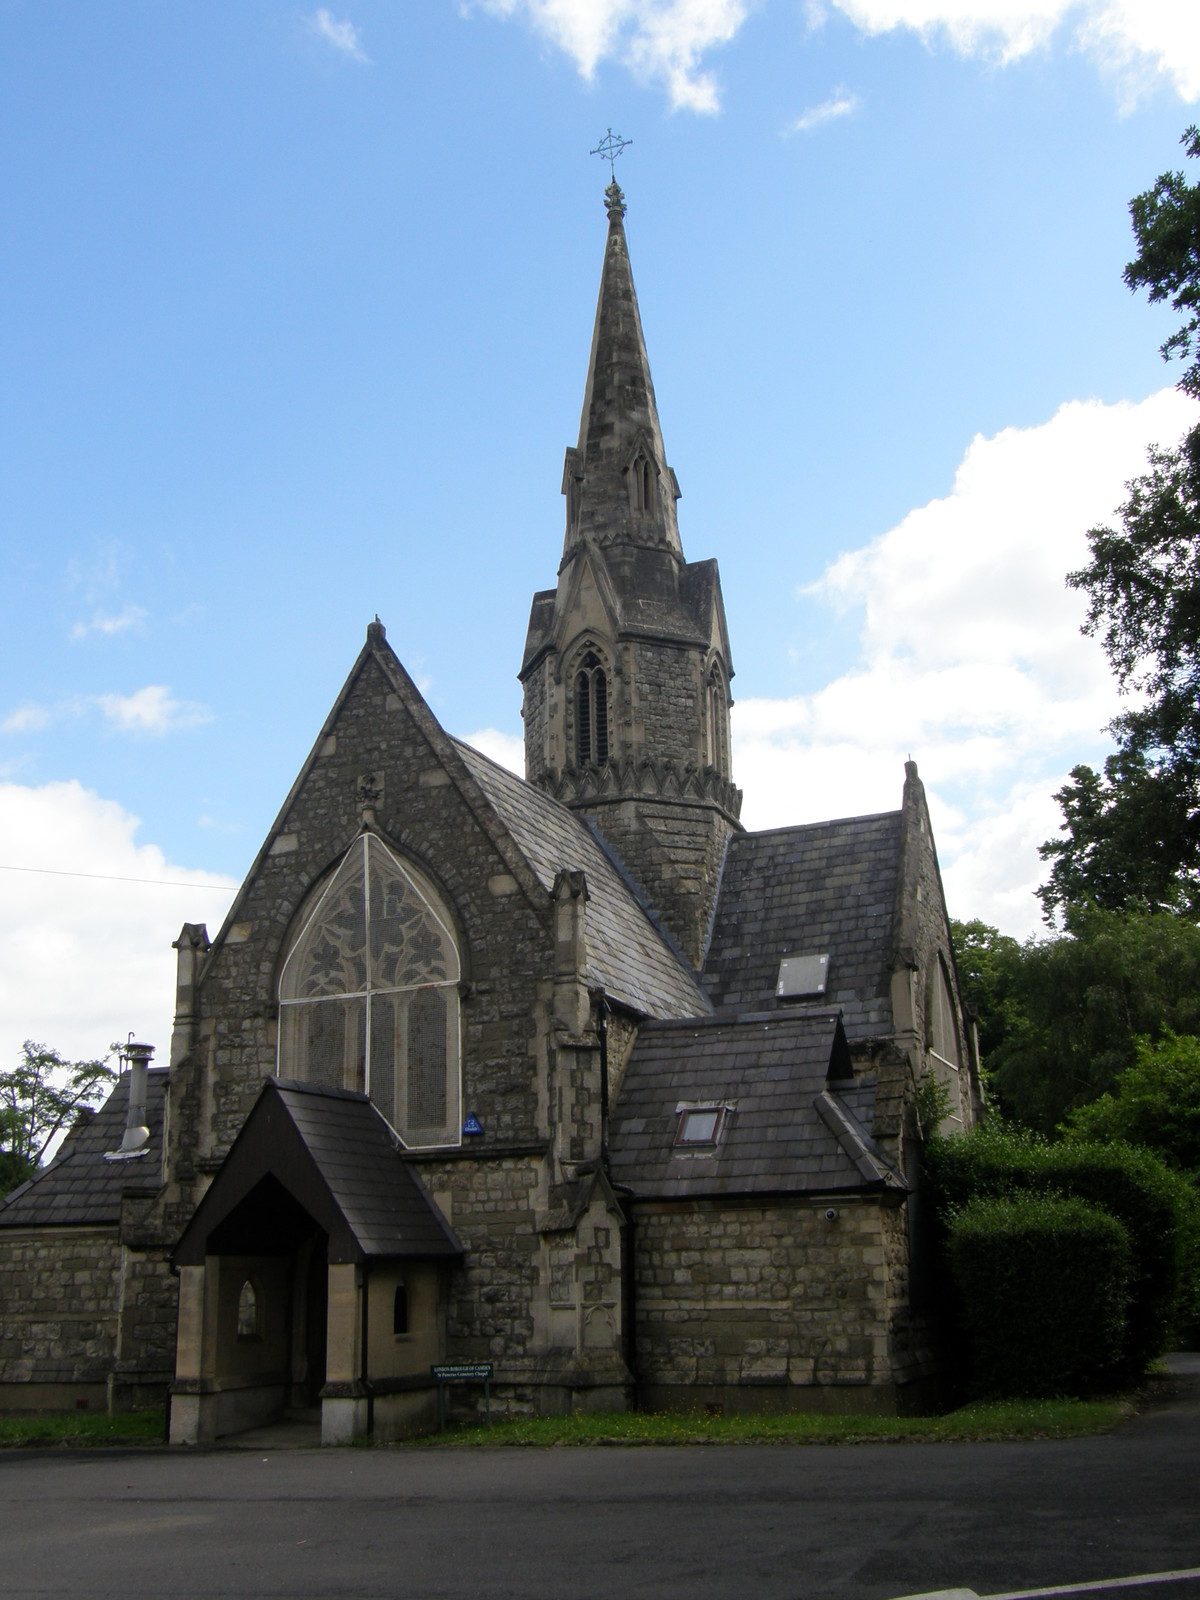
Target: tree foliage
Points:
(1154, 1103)
(1060, 1018)
(1166, 224)
(1132, 835)
(40, 1098)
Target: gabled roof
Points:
(789, 1127)
(645, 599)
(627, 955)
(80, 1188)
(334, 1158)
(828, 887)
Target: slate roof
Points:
(824, 887)
(792, 1129)
(335, 1155)
(79, 1187)
(626, 953)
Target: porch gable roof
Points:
(337, 1158)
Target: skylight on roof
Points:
(802, 977)
(699, 1126)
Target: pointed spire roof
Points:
(619, 427)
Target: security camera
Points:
(831, 1215)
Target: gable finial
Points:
(610, 147)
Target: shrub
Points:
(1043, 1286)
(1135, 1187)
(1154, 1204)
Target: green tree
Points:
(1154, 1103)
(1059, 1018)
(40, 1098)
(1132, 835)
(989, 971)
(1166, 224)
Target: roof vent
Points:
(802, 977)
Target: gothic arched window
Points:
(641, 483)
(717, 721)
(368, 995)
(591, 713)
(248, 1324)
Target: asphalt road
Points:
(782, 1523)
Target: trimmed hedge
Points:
(1043, 1283)
(1131, 1184)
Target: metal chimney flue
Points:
(137, 1058)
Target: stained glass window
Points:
(368, 995)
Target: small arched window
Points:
(717, 721)
(400, 1310)
(248, 1326)
(368, 995)
(641, 484)
(591, 713)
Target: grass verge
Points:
(81, 1427)
(1001, 1419)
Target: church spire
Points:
(619, 488)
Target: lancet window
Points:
(591, 713)
(368, 996)
(717, 721)
(641, 483)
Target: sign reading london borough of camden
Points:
(463, 1372)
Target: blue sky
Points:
(297, 309)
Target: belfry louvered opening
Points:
(591, 712)
(368, 996)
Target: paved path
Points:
(752, 1523)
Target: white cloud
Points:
(1132, 40)
(660, 41)
(508, 749)
(107, 624)
(27, 718)
(970, 657)
(840, 104)
(343, 36)
(153, 709)
(85, 959)
(150, 710)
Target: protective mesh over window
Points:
(369, 999)
(324, 1043)
(426, 1053)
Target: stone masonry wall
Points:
(674, 851)
(59, 1294)
(668, 702)
(923, 947)
(767, 1295)
(492, 1207)
(912, 1350)
(505, 944)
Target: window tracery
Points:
(368, 996)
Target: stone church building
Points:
(571, 1075)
